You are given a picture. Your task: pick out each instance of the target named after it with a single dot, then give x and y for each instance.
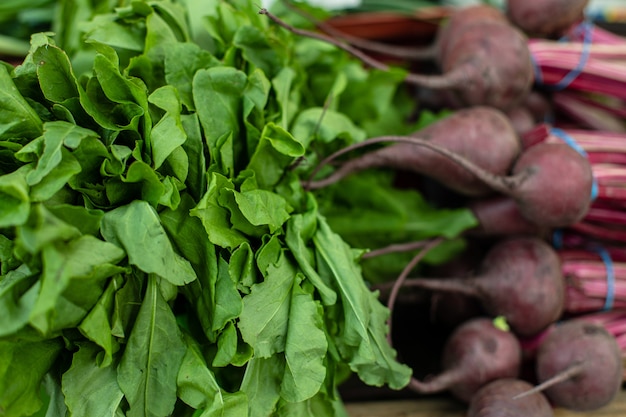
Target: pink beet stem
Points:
(599, 289)
(601, 233)
(577, 302)
(593, 269)
(611, 193)
(596, 158)
(603, 215)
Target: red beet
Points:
(550, 182)
(545, 17)
(579, 366)
(476, 353)
(486, 63)
(496, 400)
(468, 133)
(520, 278)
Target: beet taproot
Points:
(520, 278)
(495, 399)
(475, 353)
(578, 366)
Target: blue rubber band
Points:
(557, 238)
(537, 71)
(565, 137)
(610, 277)
(575, 72)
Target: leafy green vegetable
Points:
(158, 252)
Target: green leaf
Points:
(148, 371)
(261, 383)
(261, 207)
(256, 49)
(305, 348)
(199, 388)
(217, 95)
(300, 230)
(241, 267)
(96, 326)
(276, 150)
(228, 304)
(14, 198)
(83, 258)
(216, 218)
(23, 365)
(56, 77)
(137, 229)
(91, 389)
(42, 229)
(17, 117)
(362, 342)
(264, 321)
(168, 133)
(286, 95)
(182, 61)
(326, 126)
(18, 293)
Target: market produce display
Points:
(209, 208)
(159, 254)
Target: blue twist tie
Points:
(587, 27)
(565, 137)
(557, 238)
(610, 276)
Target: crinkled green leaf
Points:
(216, 218)
(168, 133)
(228, 304)
(85, 258)
(96, 326)
(363, 340)
(262, 207)
(276, 150)
(137, 229)
(305, 348)
(264, 320)
(217, 94)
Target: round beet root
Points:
(476, 353)
(496, 400)
(558, 191)
(545, 17)
(579, 365)
(520, 279)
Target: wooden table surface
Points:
(442, 407)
